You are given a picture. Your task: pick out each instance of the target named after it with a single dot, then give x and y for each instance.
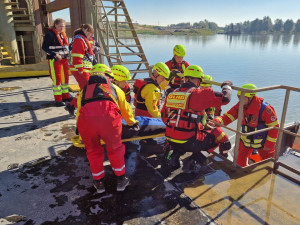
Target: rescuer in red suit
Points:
(257, 115)
(185, 118)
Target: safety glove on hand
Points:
(226, 84)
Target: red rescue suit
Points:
(100, 106)
(126, 90)
(81, 61)
(56, 43)
(173, 65)
(250, 122)
(185, 117)
(192, 115)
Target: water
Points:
(265, 60)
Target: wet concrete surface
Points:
(46, 180)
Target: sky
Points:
(222, 12)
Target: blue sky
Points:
(165, 12)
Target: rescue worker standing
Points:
(257, 115)
(101, 106)
(56, 46)
(82, 56)
(185, 117)
(148, 91)
(121, 76)
(177, 67)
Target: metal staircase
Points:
(118, 37)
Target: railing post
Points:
(238, 128)
(282, 122)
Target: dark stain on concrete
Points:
(68, 131)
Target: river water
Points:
(264, 60)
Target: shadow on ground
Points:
(59, 191)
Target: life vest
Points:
(126, 90)
(100, 91)
(253, 123)
(182, 123)
(139, 101)
(175, 66)
(88, 57)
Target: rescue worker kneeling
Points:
(185, 117)
(257, 115)
(101, 106)
(148, 91)
(221, 139)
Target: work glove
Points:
(228, 83)
(136, 127)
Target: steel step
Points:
(127, 54)
(139, 71)
(129, 62)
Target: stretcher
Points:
(77, 142)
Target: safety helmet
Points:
(206, 77)
(194, 71)
(248, 86)
(162, 69)
(101, 69)
(120, 73)
(179, 50)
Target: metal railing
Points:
(281, 128)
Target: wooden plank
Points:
(16, 9)
(57, 5)
(296, 145)
(127, 54)
(23, 27)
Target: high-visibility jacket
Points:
(147, 96)
(81, 54)
(257, 115)
(54, 43)
(184, 111)
(99, 88)
(173, 65)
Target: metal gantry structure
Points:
(118, 36)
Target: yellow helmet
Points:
(179, 50)
(162, 69)
(194, 71)
(101, 69)
(120, 73)
(248, 86)
(206, 77)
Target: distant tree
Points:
(278, 25)
(267, 24)
(246, 27)
(297, 26)
(213, 26)
(256, 26)
(288, 26)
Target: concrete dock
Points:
(44, 179)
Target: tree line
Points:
(264, 25)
